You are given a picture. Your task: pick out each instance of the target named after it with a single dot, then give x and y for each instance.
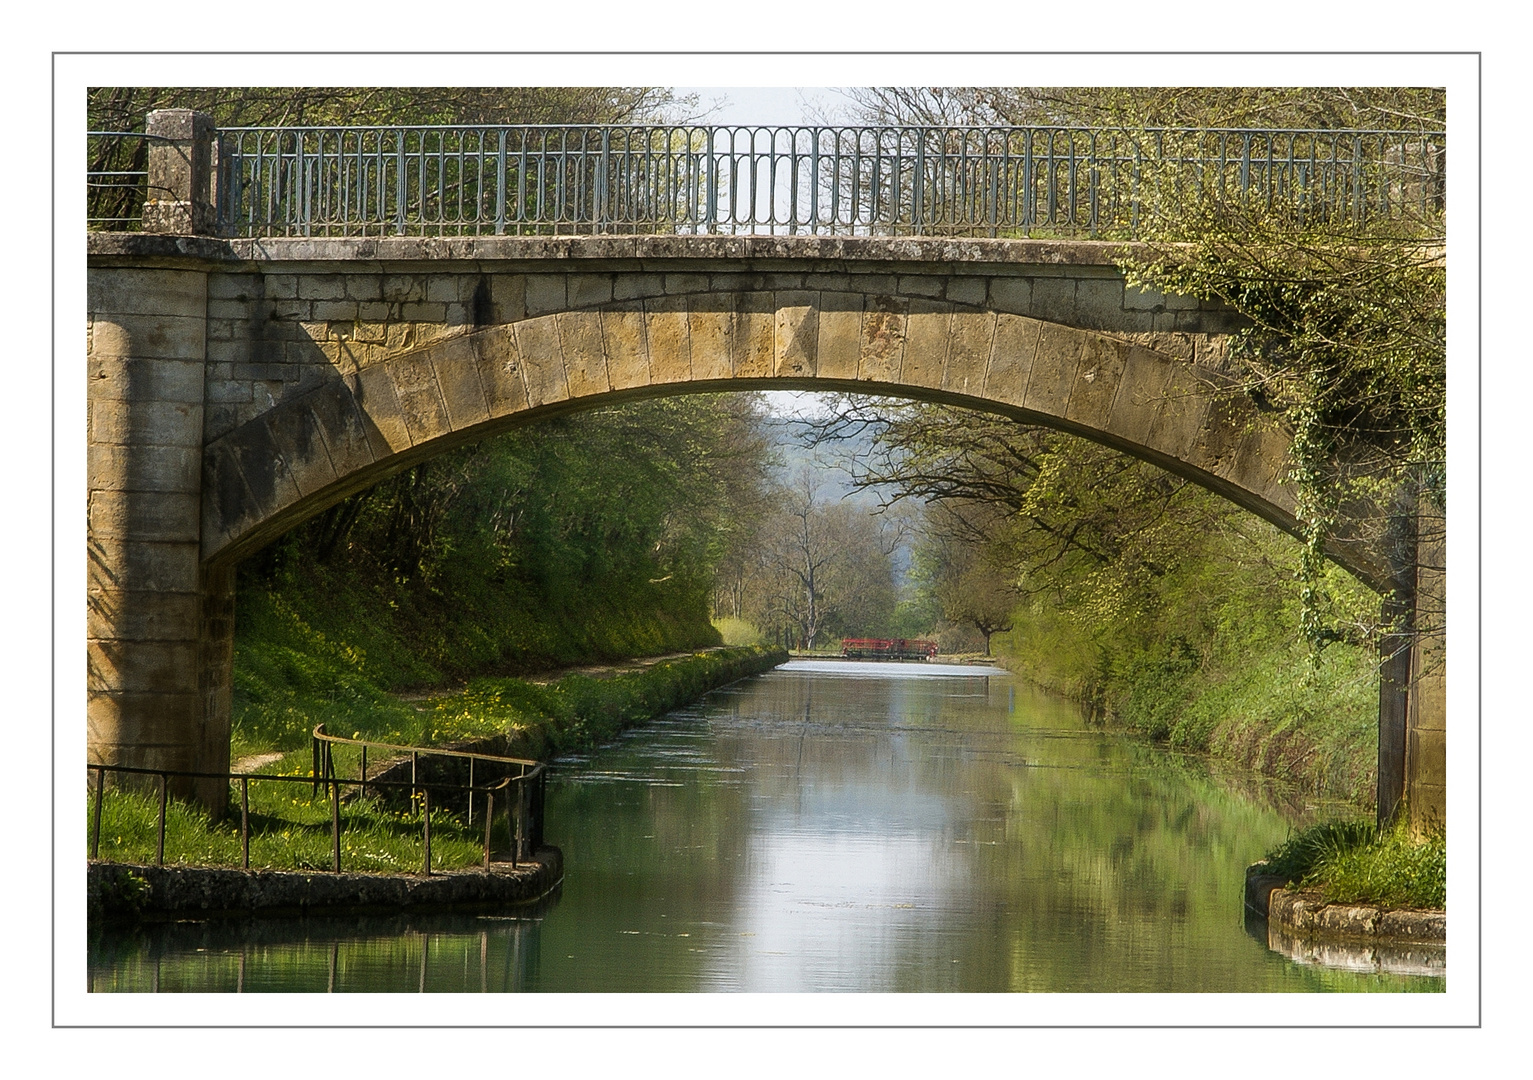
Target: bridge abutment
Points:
(155, 614)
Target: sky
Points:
(764, 104)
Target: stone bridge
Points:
(239, 386)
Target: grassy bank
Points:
(1217, 665)
(338, 646)
(291, 827)
(1356, 863)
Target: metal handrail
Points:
(527, 830)
(101, 183)
(528, 179)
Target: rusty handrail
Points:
(321, 741)
(527, 833)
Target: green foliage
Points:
(579, 711)
(1161, 605)
(1353, 862)
(736, 631)
(290, 830)
(290, 825)
(590, 537)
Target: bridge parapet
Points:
(849, 180)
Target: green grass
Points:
(289, 830)
(736, 631)
(1352, 862)
(290, 826)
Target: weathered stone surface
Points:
(1099, 369)
(1141, 387)
(508, 294)
(139, 665)
(124, 378)
(145, 468)
(202, 892)
(145, 730)
(1226, 423)
(340, 424)
(144, 423)
(589, 290)
(148, 291)
(1309, 914)
(296, 435)
(971, 337)
(1012, 353)
(838, 341)
(267, 474)
(537, 340)
(149, 337)
(625, 343)
(144, 515)
(709, 322)
(420, 399)
(927, 332)
(752, 335)
(545, 294)
(666, 328)
(456, 363)
(585, 361)
(883, 339)
(1056, 356)
(965, 290)
(796, 345)
(500, 371)
(149, 615)
(1178, 415)
(134, 564)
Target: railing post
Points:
(521, 817)
(159, 847)
(181, 181)
(489, 816)
(918, 183)
(244, 823)
(500, 187)
(711, 187)
(335, 826)
(95, 832)
(470, 791)
(426, 828)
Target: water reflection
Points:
(837, 826)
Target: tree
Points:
(1346, 317)
(822, 567)
(974, 591)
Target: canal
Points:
(830, 826)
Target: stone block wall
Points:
(277, 333)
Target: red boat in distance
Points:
(887, 649)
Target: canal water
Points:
(831, 826)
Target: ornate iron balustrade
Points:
(807, 180)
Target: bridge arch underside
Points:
(310, 451)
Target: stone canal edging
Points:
(1306, 914)
(124, 891)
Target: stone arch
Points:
(312, 450)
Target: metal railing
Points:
(116, 178)
(521, 797)
(787, 180)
